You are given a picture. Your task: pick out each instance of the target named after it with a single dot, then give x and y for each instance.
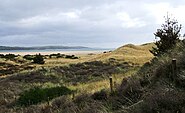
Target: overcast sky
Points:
(92, 23)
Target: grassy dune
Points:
(136, 54)
(87, 75)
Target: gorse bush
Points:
(58, 55)
(28, 57)
(71, 57)
(38, 94)
(38, 59)
(1, 55)
(8, 56)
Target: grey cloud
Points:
(77, 22)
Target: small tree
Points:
(38, 59)
(168, 35)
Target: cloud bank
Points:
(97, 23)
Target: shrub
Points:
(9, 56)
(58, 55)
(38, 59)
(1, 55)
(38, 94)
(28, 57)
(71, 57)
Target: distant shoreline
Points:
(75, 52)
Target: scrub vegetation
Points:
(67, 83)
(136, 89)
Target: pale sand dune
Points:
(54, 52)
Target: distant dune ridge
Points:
(137, 54)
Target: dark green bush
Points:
(38, 94)
(1, 55)
(71, 57)
(28, 57)
(8, 56)
(38, 59)
(58, 55)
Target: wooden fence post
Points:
(174, 69)
(111, 84)
(73, 95)
(4, 95)
(48, 101)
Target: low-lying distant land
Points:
(75, 52)
(46, 50)
(41, 47)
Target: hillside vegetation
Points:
(24, 83)
(134, 54)
(74, 85)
